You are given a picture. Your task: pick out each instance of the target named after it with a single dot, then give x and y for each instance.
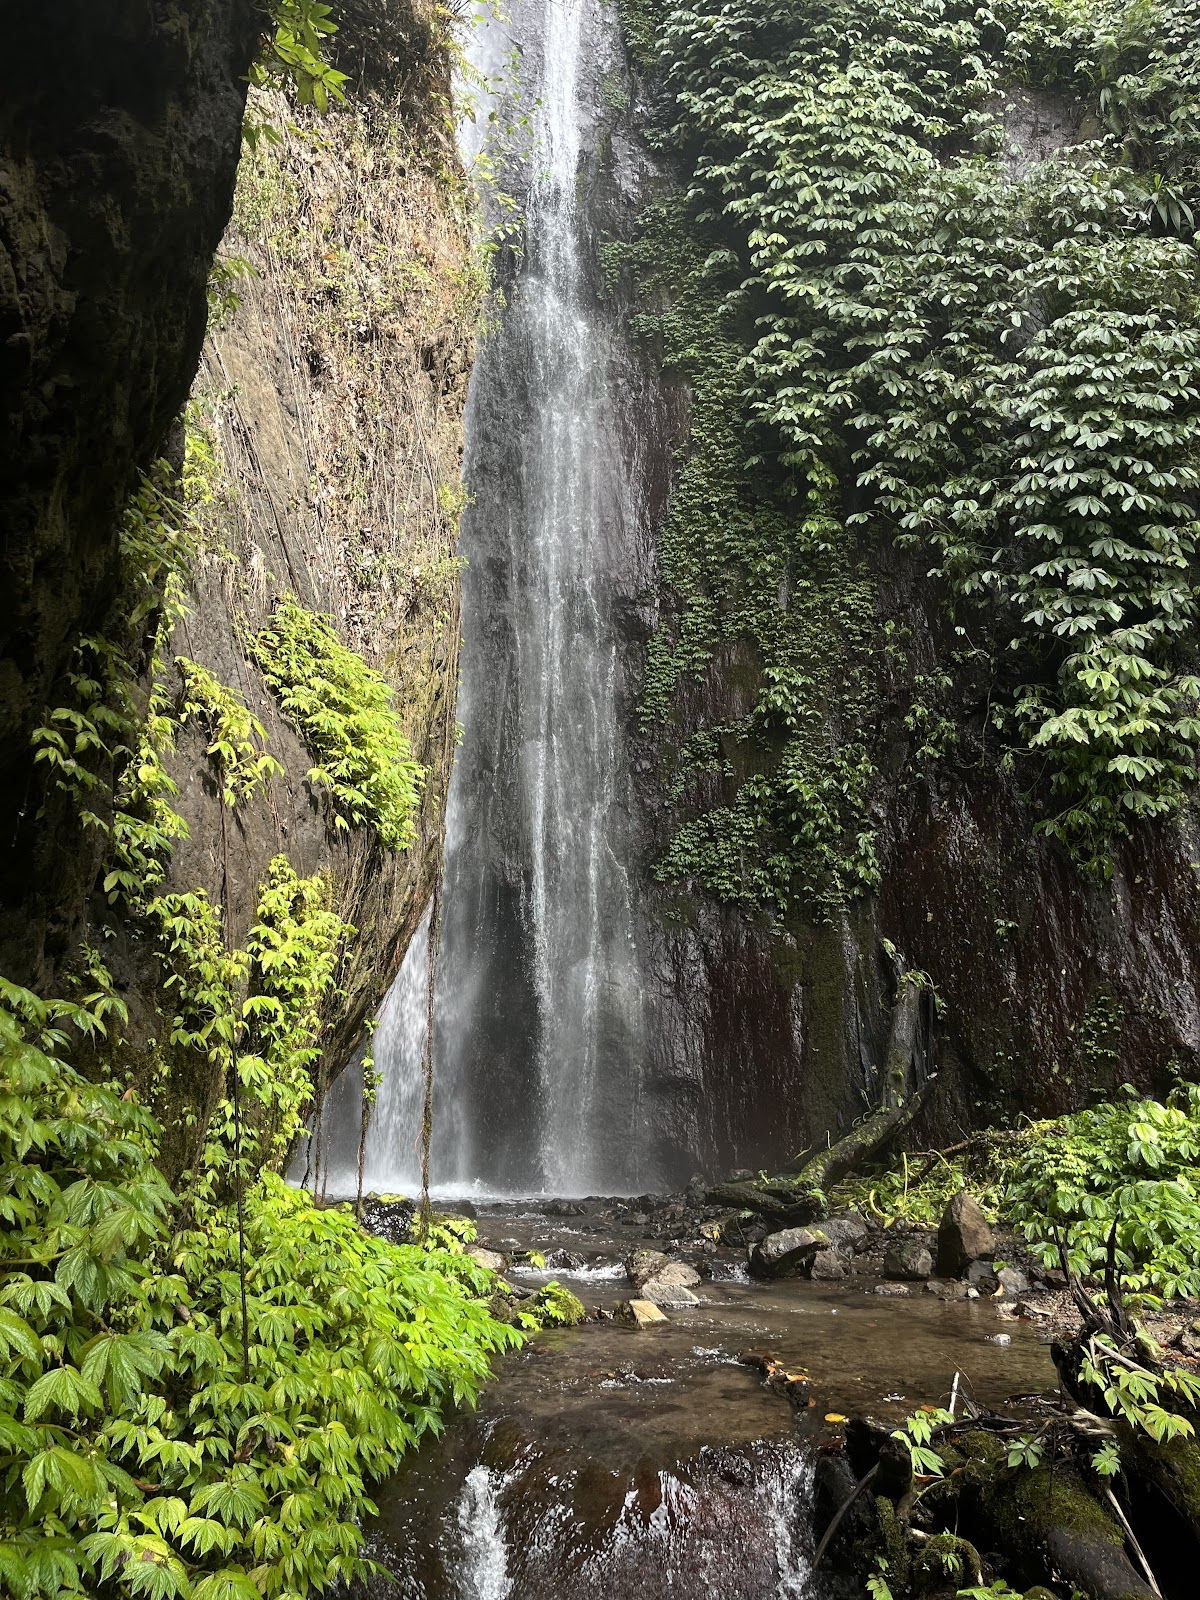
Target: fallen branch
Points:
(840, 1513)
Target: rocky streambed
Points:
(697, 1452)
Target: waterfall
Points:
(539, 1030)
(539, 1023)
(392, 1154)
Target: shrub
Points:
(143, 1448)
(343, 711)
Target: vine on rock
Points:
(935, 343)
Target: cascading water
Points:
(540, 1013)
(540, 1016)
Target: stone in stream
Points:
(642, 1313)
(672, 1286)
(963, 1236)
(845, 1233)
(656, 1277)
(787, 1254)
(828, 1265)
(492, 1259)
(1013, 1281)
(909, 1261)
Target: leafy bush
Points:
(343, 711)
(1129, 1172)
(143, 1449)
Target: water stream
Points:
(539, 1022)
(539, 1018)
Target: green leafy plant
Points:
(151, 1441)
(343, 710)
(294, 52)
(895, 338)
(237, 745)
(917, 1432)
(1120, 1181)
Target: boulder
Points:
(644, 1264)
(787, 1254)
(964, 1236)
(845, 1233)
(642, 1313)
(909, 1262)
(491, 1259)
(696, 1192)
(672, 1285)
(828, 1265)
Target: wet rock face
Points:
(119, 141)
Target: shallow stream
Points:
(637, 1463)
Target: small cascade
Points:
(483, 1566)
(392, 1154)
(731, 1523)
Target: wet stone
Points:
(964, 1235)
(828, 1265)
(491, 1259)
(788, 1253)
(1013, 1282)
(642, 1313)
(910, 1261)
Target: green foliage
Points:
(766, 585)
(993, 365)
(293, 52)
(556, 1307)
(238, 739)
(343, 711)
(136, 1455)
(1137, 1395)
(255, 1011)
(1126, 1173)
(917, 1432)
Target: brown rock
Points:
(788, 1253)
(642, 1313)
(964, 1236)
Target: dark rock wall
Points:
(120, 130)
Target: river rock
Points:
(947, 1288)
(671, 1286)
(642, 1313)
(980, 1276)
(696, 1193)
(845, 1233)
(964, 1236)
(491, 1259)
(787, 1254)
(644, 1264)
(828, 1265)
(1013, 1281)
(909, 1261)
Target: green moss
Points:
(556, 1307)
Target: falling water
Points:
(539, 1029)
(392, 1153)
(539, 1020)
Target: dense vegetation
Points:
(343, 711)
(915, 346)
(166, 1427)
